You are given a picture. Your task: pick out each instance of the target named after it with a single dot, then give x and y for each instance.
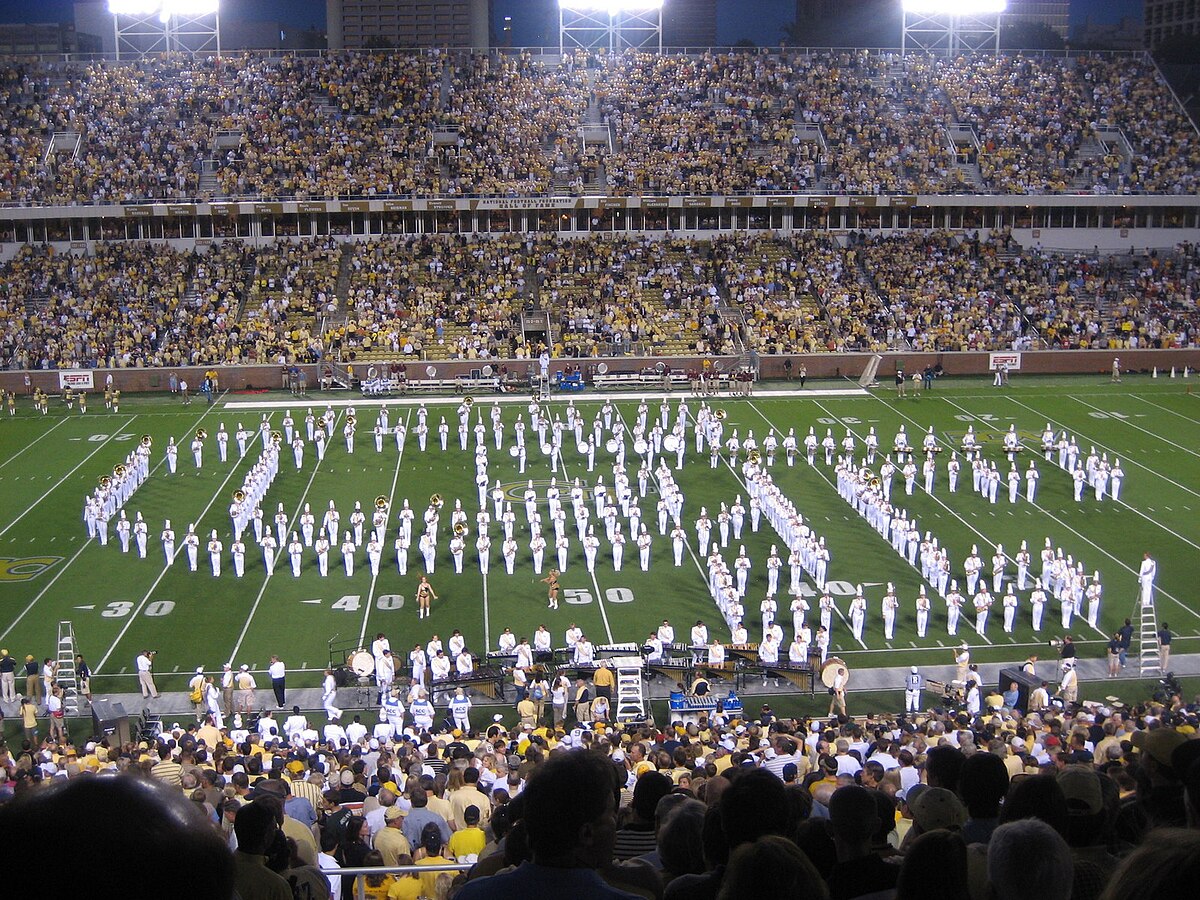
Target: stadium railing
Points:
(360, 882)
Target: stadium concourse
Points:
(1076, 775)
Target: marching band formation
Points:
(609, 516)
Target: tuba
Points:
(351, 420)
(147, 440)
(436, 501)
(460, 529)
(119, 470)
(239, 496)
(753, 456)
(720, 415)
(104, 481)
(381, 502)
(469, 402)
(276, 438)
(201, 434)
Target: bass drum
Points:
(640, 446)
(362, 663)
(671, 443)
(829, 671)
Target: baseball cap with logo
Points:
(1158, 743)
(1081, 785)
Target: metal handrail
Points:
(360, 882)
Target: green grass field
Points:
(120, 604)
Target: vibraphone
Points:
(488, 680)
(748, 652)
(803, 677)
(679, 668)
(687, 707)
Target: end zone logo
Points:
(26, 569)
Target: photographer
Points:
(145, 661)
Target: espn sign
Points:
(76, 381)
(1011, 361)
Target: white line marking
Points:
(1090, 542)
(34, 441)
(166, 568)
(1140, 428)
(1165, 409)
(362, 635)
(13, 624)
(279, 553)
(60, 482)
(1077, 433)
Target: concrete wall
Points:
(819, 365)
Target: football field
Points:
(120, 604)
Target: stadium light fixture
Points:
(955, 7)
(165, 9)
(611, 7)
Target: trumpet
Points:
(239, 495)
(720, 415)
(460, 529)
(436, 500)
(381, 502)
(469, 402)
(201, 434)
(147, 440)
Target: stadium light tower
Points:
(950, 27)
(612, 24)
(143, 27)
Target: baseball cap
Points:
(1081, 785)
(937, 808)
(392, 813)
(1159, 743)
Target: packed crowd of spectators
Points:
(455, 298)
(363, 125)
(448, 297)
(1086, 801)
(715, 124)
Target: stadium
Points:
(711, 411)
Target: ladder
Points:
(631, 703)
(67, 678)
(1149, 662)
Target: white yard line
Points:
(1142, 399)
(61, 421)
(279, 553)
(63, 480)
(932, 590)
(1064, 525)
(595, 584)
(1130, 507)
(84, 545)
(1115, 454)
(362, 635)
(1132, 424)
(166, 568)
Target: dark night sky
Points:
(758, 20)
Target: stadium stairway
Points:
(175, 706)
